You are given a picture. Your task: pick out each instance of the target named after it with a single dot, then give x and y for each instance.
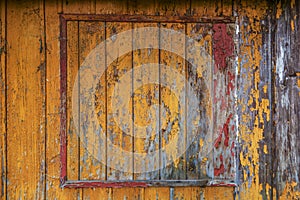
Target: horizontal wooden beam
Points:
(141, 183)
(147, 183)
(146, 18)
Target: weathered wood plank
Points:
(224, 86)
(25, 100)
(3, 102)
(172, 101)
(72, 70)
(252, 110)
(128, 193)
(152, 193)
(142, 7)
(287, 37)
(199, 75)
(191, 193)
(111, 7)
(53, 108)
(287, 127)
(173, 7)
(92, 34)
(97, 193)
(266, 88)
(209, 8)
(78, 7)
(146, 102)
(227, 8)
(119, 131)
(219, 193)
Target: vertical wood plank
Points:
(143, 7)
(227, 8)
(128, 193)
(111, 7)
(3, 102)
(119, 132)
(152, 193)
(92, 165)
(26, 100)
(146, 103)
(219, 193)
(53, 108)
(199, 74)
(173, 108)
(206, 8)
(173, 7)
(78, 7)
(97, 193)
(91, 34)
(182, 193)
(287, 127)
(72, 70)
(224, 102)
(254, 113)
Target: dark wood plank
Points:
(199, 75)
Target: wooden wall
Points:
(268, 98)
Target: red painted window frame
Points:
(64, 18)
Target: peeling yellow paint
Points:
(265, 88)
(292, 25)
(290, 192)
(292, 3)
(251, 188)
(279, 10)
(265, 149)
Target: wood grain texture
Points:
(207, 8)
(173, 107)
(219, 193)
(111, 7)
(3, 99)
(91, 34)
(92, 160)
(254, 93)
(287, 125)
(119, 133)
(181, 193)
(224, 86)
(156, 193)
(53, 108)
(72, 133)
(173, 7)
(78, 7)
(33, 95)
(128, 193)
(146, 103)
(199, 75)
(26, 105)
(143, 7)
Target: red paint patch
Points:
(230, 84)
(221, 169)
(222, 46)
(231, 149)
(218, 140)
(226, 130)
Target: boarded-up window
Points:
(146, 100)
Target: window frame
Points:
(64, 182)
